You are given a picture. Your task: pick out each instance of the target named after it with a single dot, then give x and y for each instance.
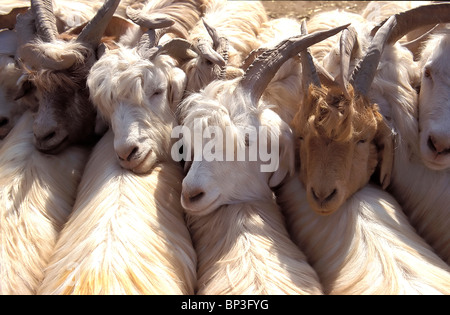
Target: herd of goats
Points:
(201, 147)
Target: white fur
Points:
(126, 235)
(37, 194)
(238, 232)
(367, 247)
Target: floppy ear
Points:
(177, 85)
(384, 140)
(282, 133)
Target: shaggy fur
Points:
(238, 231)
(423, 193)
(367, 247)
(137, 97)
(340, 141)
(240, 23)
(37, 195)
(127, 233)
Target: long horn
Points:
(263, 69)
(219, 50)
(94, 30)
(347, 45)
(410, 20)
(364, 73)
(309, 72)
(45, 20)
(415, 44)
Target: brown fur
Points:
(341, 142)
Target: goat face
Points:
(338, 140)
(137, 98)
(63, 114)
(434, 106)
(226, 164)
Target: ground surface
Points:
(304, 9)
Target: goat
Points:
(136, 91)
(423, 192)
(57, 71)
(341, 136)
(126, 235)
(367, 247)
(234, 25)
(37, 194)
(251, 253)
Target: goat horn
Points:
(45, 19)
(309, 72)
(414, 45)
(262, 70)
(347, 45)
(410, 20)
(364, 73)
(94, 30)
(217, 53)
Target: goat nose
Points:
(439, 144)
(4, 121)
(127, 153)
(194, 195)
(323, 196)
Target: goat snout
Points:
(323, 196)
(192, 196)
(128, 153)
(50, 139)
(439, 144)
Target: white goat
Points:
(367, 247)
(423, 192)
(136, 90)
(127, 233)
(236, 22)
(238, 231)
(36, 196)
(251, 253)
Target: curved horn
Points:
(414, 45)
(262, 70)
(347, 45)
(364, 73)
(45, 20)
(217, 53)
(410, 20)
(309, 73)
(177, 48)
(94, 30)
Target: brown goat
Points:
(341, 138)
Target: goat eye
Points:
(362, 141)
(427, 73)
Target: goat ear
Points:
(177, 85)
(384, 140)
(283, 133)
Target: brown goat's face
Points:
(337, 140)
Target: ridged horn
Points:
(93, 32)
(364, 73)
(309, 72)
(45, 19)
(263, 69)
(410, 20)
(348, 43)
